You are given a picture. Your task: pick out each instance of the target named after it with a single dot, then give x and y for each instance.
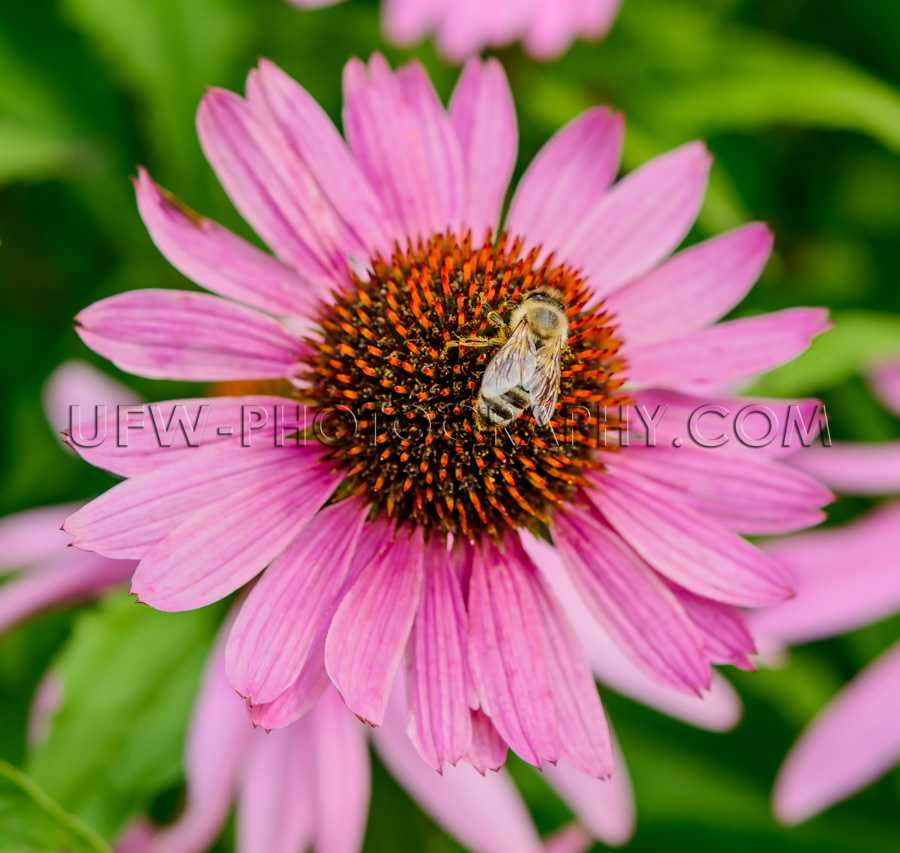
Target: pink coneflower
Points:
(418, 533)
(462, 28)
(845, 578)
(320, 764)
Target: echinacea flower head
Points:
(397, 525)
(846, 577)
(462, 28)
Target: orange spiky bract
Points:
(412, 446)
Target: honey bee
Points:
(525, 371)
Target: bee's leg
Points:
(475, 342)
(492, 315)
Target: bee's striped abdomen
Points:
(499, 411)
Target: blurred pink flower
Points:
(307, 786)
(47, 572)
(465, 27)
(862, 468)
(385, 257)
(845, 577)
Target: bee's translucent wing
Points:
(513, 364)
(545, 385)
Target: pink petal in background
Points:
(852, 742)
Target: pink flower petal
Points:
(854, 468)
(551, 30)
(219, 260)
(277, 795)
(711, 424)
(692, 289)
(488, 750)
(555, 25)
(407, 22)
(845, 577)
(133, 517)
(171, 334)
(605, 807)
(571, 838)
(729, 350)
(723, 630)
(484, 118)
(586, 744)
(342, 777)
(599, 15)
(76, 383)
(277, 624)
(224, 545)
(218, 741)
(136, 837)
(405, 144)
(717, 710)
(320, 147)
(851, 743)
(641, 220)
(33, 536)
(484, 813)
(300, 195)
(71, 577)
(628, 598)
(134, 440)
(513, 614)
(442, 146)
(566, 178)
(508, 654)
(300, 697)
(437, 676)
(885, 382)
(370, 628)
(467, 26)
(269, 186)
(749, 494)
(686, 547)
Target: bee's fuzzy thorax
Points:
(413, 446)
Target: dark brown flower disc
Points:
(409, 440)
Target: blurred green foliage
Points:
(30, 822)
(798, 100)
(127, 677)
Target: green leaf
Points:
(858, 340)
(129, 674)
(154, 44)
(30, 151)
(30, 822)
(167, 52)
(24, 94)
(678, 787)
(38, 137)
(760, 79)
